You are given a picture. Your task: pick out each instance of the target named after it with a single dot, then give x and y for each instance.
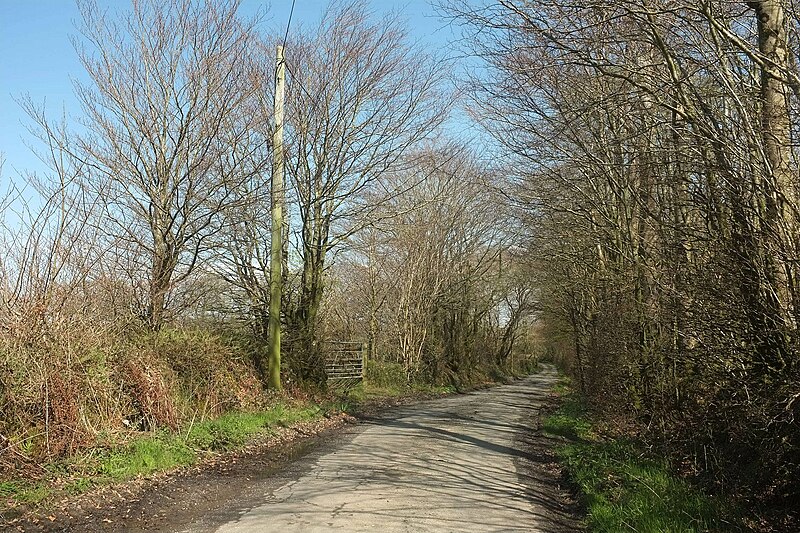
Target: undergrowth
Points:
(625, 488)
(389, 380)
(24, 491)
(154, 452)
(61, 390)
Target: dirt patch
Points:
(544, 476)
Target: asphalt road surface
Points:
(460, 463)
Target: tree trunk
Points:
(163, 267)
(777, 184)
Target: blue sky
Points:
(37, 57)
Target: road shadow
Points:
(471, 463)
(479, 451)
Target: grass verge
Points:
(624, 488)
(385, 381)
(153, 452)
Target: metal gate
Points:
(344, 362)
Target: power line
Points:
(314, 101)
(285, 37)
(299, 82)
(288, 24)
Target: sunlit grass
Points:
(569, 421)
(164, 451)
(24, 492)
(389, 380)
(147, 455)
(233, 430)
(625, 489)
(156, 452)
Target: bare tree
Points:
(361, 96)
(430, 272)
(161, 115)
(653, 144)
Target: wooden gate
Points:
(344, 362)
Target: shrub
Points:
(385, 374)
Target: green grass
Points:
(569, 421)
(388, 380)
(233, 430)
(385, 375)
(79, 486)
(625, 489)
(369, 391)
(145, 456)
(156, 452)
(165, 451)
(24, 492)
(563, 386)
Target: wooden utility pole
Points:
(276, 245)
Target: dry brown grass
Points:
(64, 385)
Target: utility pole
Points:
(276, 245)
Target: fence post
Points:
(364, 358)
